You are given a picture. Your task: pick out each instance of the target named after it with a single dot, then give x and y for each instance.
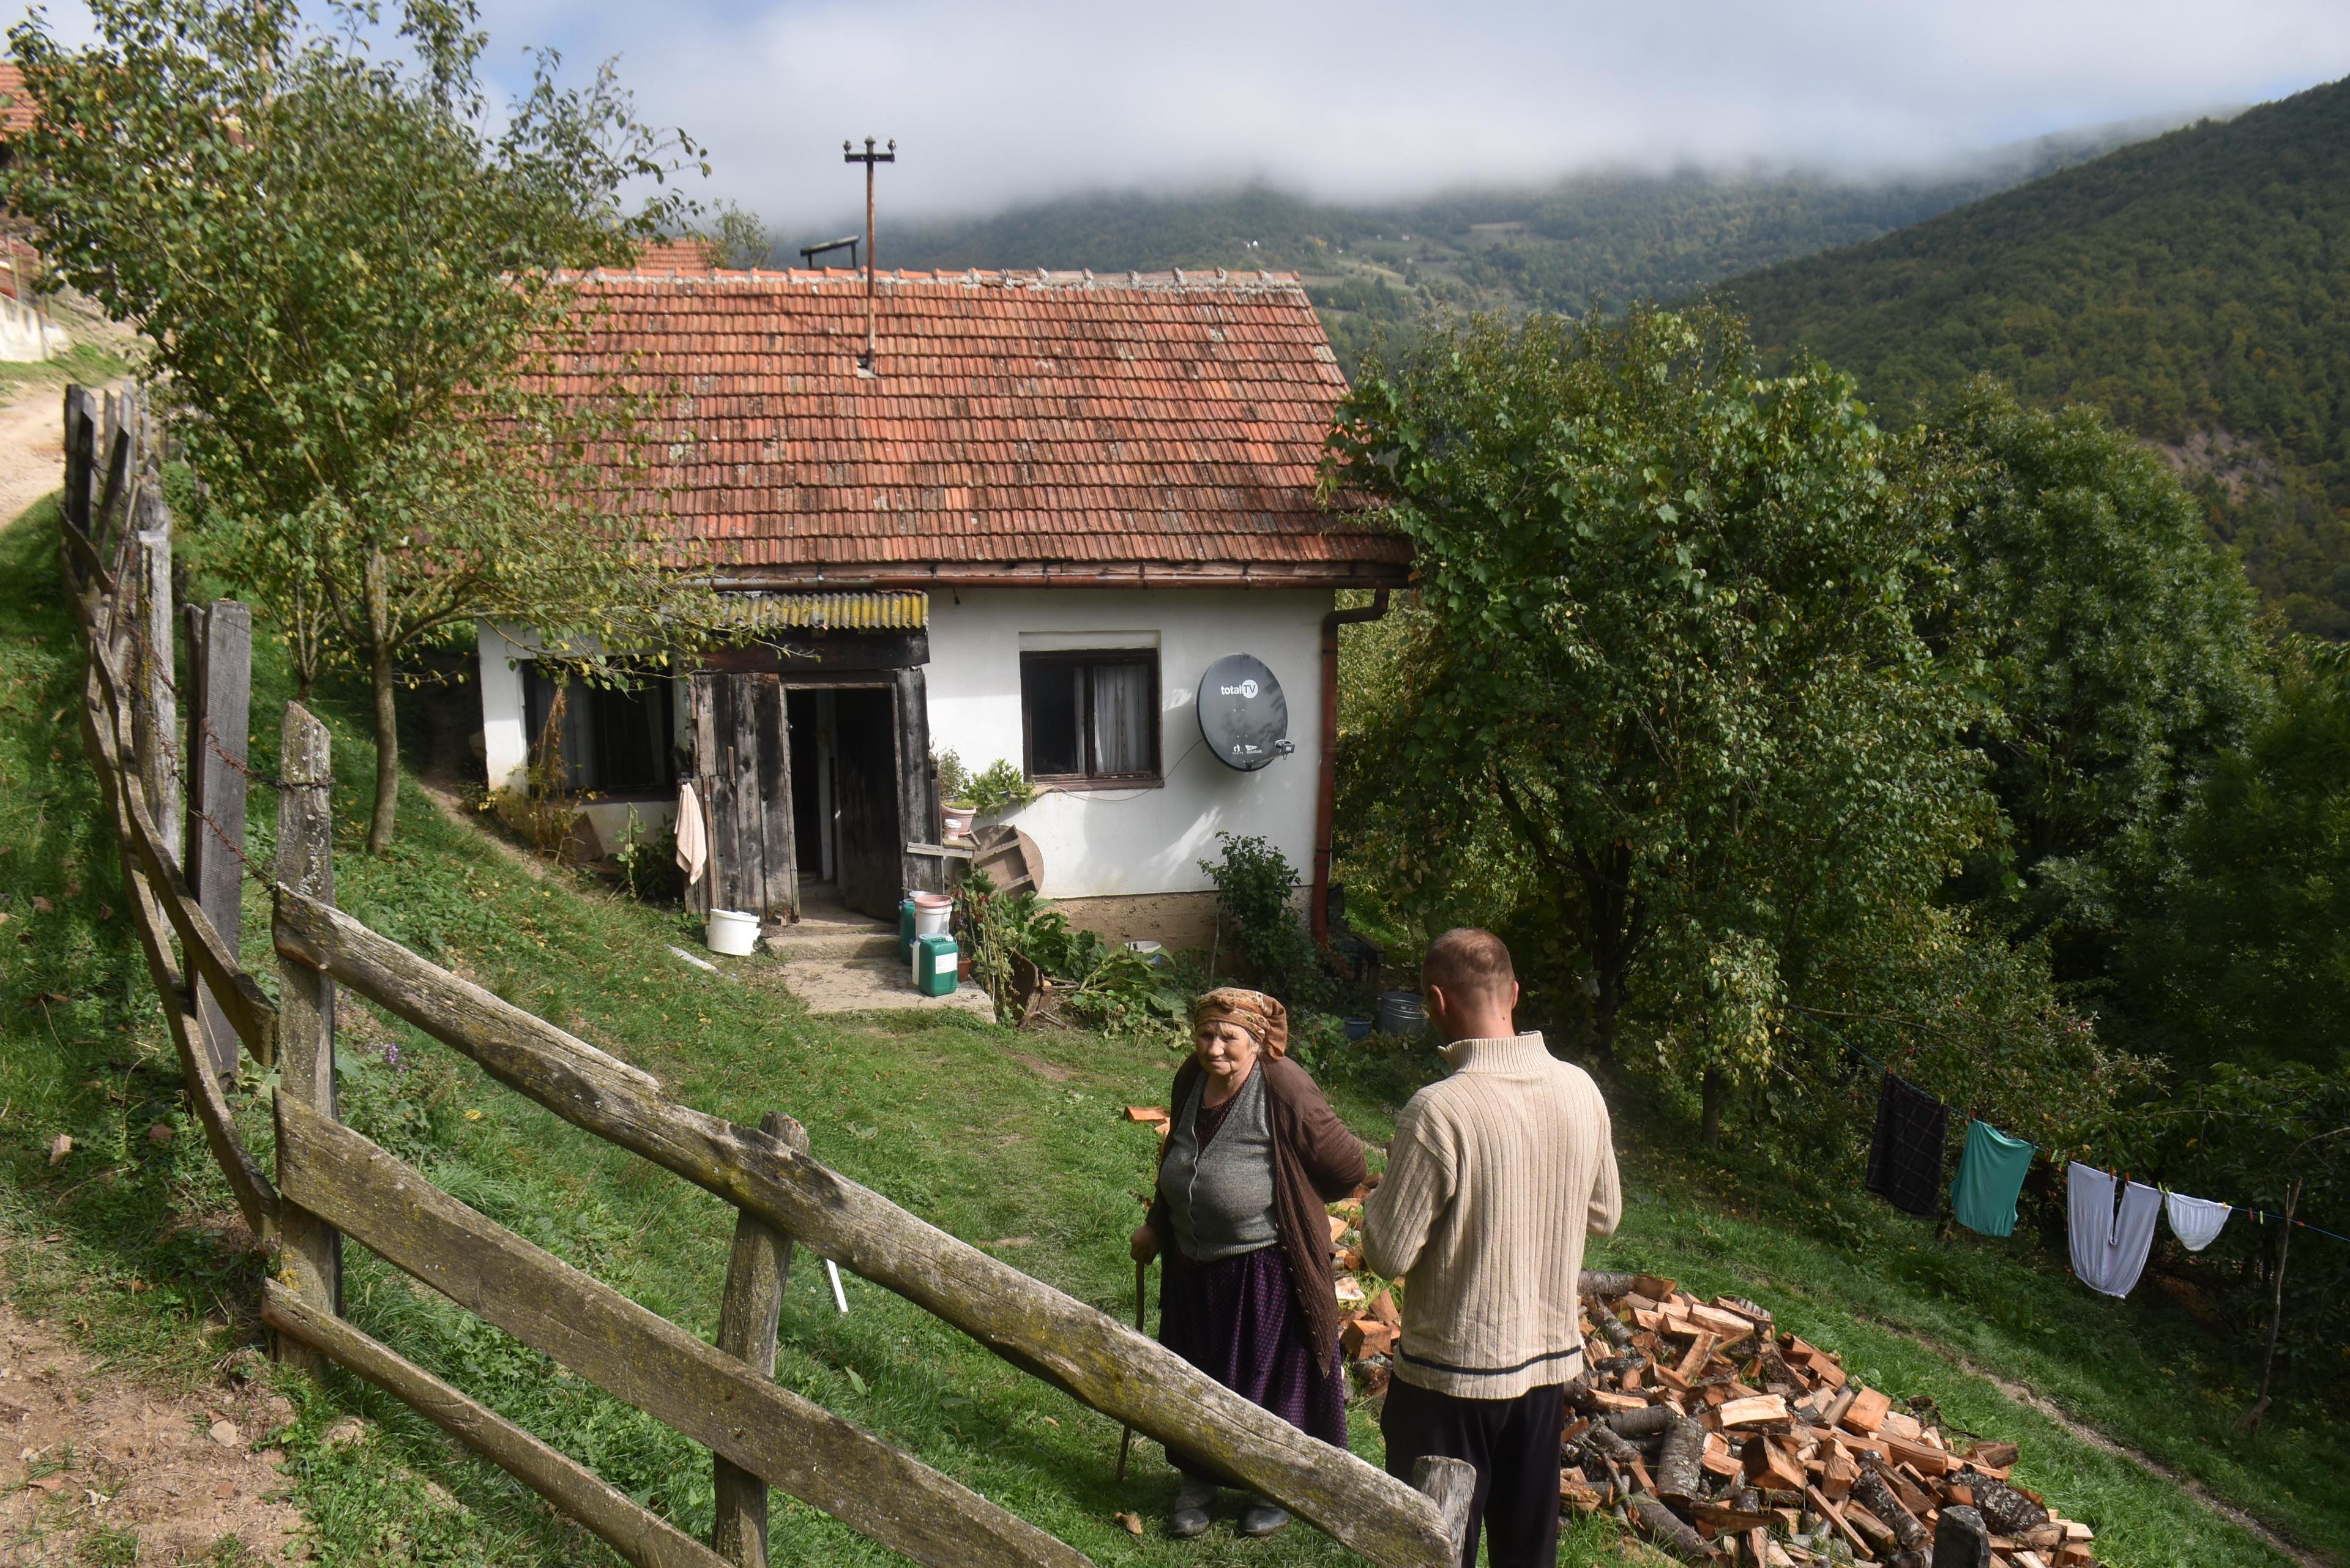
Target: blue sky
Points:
(1002, 100)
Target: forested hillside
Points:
(2196, 286)
(1614, 237)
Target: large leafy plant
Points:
(1668, 701)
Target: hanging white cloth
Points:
(2196, 1222)
(2109, 1243)
(1122, 718)
(692, 837)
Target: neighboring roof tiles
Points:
(15, 105)
(1021, 427)
(691, 255)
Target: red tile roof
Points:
(1019, 427)
(691, 255)
(16, 107)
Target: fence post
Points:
(220, 698)
(757, 1273)
(312, 1248)
(158, 706)
(1451, 1485)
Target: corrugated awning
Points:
(869, 609)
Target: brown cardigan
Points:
(1315, 1161)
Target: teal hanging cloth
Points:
(1990, 1175)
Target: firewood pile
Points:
(1701, 1427)
(1721, 1439)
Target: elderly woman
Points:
(1248, 1297)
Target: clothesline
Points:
(2262, 1214)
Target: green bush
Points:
(1254, 884)
(1113, 988)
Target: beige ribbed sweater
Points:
(1496, 1175)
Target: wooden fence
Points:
(330, 1182)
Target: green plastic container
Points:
(935, 961)
(905, 929)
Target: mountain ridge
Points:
(2195, 285)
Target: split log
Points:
(1866, 1412)
(1609, 1444)
(1649, 1421)
(1610, 1326)
(1871, 1492)
(2007, 1511)
(1770, 1467)
(1752, 1411)
(1666, 1528)
(1961, 1540)
(1838, 1470)
(1681, 1460)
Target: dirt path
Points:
(32, 448)
(90, 1461)
(2105, 1444)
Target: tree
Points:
(2245, 955)
(2122, 657)
(352, 293)
(1665, 694)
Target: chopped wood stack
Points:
(1721, 1440)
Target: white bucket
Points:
(732, 932)
(932, 913)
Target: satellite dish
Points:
(1243, 716)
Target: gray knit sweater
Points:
(1495, 1178)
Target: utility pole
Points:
(868, 158)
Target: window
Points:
(613, 742)
(1091, 715)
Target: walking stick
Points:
(1126, 1440)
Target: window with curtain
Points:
(613, 742)
(1091, 715)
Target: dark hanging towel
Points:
(1905, 1163)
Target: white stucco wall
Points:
(1134, 841)
(505, 734)
(505, 737)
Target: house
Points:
(26, 331)
(1026, 530)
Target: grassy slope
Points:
(1011, 1142)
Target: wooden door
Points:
(742, 762)
(871, 853)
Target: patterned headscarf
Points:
(1266, 1020)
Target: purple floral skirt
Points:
(1237, 1320)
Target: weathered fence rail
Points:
(331, 1182)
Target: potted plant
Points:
(1002, 789)
(957, 809)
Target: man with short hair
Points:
(1495, 1176)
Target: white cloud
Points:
(1020, 99)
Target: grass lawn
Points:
(1012, 1142)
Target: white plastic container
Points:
(732, 932)
(932, 913)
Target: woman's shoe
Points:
(1262, 1517)
(1189, 1517)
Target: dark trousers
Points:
(1512, 1443)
